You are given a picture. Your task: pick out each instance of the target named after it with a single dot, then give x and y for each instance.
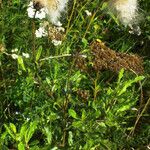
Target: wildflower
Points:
(56, 42)
(26, 55)
(41, 14)
(136, 30)
(31, 11)
(41, 32)
(37, 14)
(88, 13)
(14, 56)
(60, 29)
(58, 23)
(14, 50)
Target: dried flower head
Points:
(56, 33)
(2, 48)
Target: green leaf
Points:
(30, 131)
(129, 83)
(77, 124)
(3, 136)
(73, 114)
(38, 55)
(21, 146)
(85, 42)
(70, 138)
(10, 131)
(104, 6)
(83, 115)
(13, 127)
(48, 133)
(21, 63)
(23, 130)
(120, 75)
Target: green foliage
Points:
(48, 103)
(22, 137)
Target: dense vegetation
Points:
(71, 96)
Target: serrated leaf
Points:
(73, 114)
(21, 63)
(38, 55)
(129, 83)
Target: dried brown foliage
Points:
(84, 94)
(107, 59)
(80, 62)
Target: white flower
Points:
(41, 32)
(14, 50)
(88, 13)
(14, 56)
(135, 30)
(56, 42)
(31, 11)
(39, 14)
(61, 29)
(58, 23)
(26, 55)
(30, 4)
(16, 112)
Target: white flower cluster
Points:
(32, 13)
(41, 32)
(56, 42)
(15, 56)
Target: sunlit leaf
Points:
(70, 138)
(13, 127)
(38, 55)
(72, 113)
(21, 63)
(10, 132)
(21, 146)
(48, 134)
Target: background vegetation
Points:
(62, 102)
